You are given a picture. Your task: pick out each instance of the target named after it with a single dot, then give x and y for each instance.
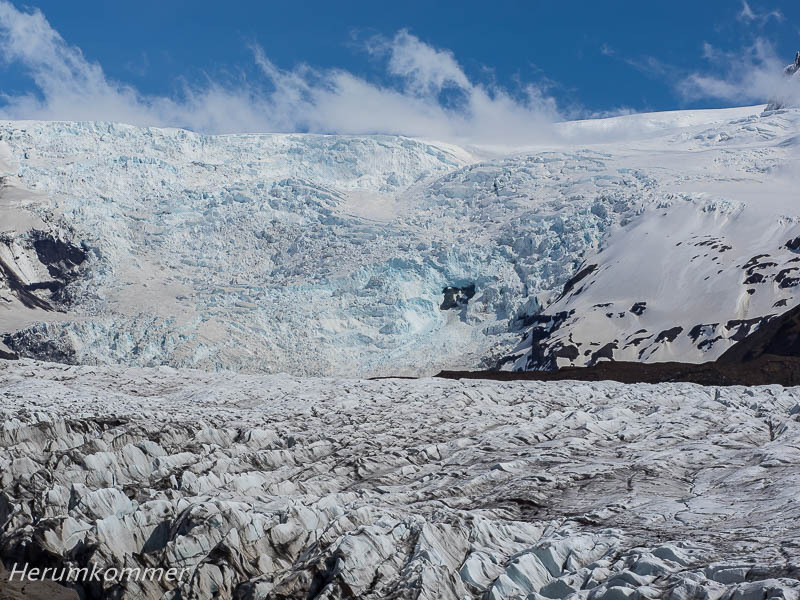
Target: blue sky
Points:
(176, 62)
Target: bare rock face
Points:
(37, 267)
(778, 337)
(274, 487)
(794, 68)
(40, 258)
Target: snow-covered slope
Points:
(381, 255)
(273, 487)
(697, 270)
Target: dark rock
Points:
(777, 336)
(784, 281)
(744, 327)
(765, 370)
(637, 341)
(580, 275)
(62, 260)
(456, 297)
(705, 344)
(606, 351)
(669, 334)
(543, 327)
(8, 355)
(697, 330)
(568, 352)
(769, 355)
(20, 290)
(753, 262)
(638, 308)
(60, 257)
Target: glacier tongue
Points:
(266, 487)
(315, 254)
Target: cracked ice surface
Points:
(306, 254)
(279, 487)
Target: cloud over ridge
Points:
(302, 99)
(425, 91)
(753, 74)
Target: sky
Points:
(449, 70)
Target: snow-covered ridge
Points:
(329, 254)
(699, 269)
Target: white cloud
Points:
(606, 50)
(428, 94)
(748, 15)
(752, 75)
(70, 87)
(424, 69)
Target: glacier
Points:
(166, 296)
(322, 255)
(277, 487)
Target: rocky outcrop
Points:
(6, 353)
(770, 355)
(456, 297)
(780, 336)
(36, 268)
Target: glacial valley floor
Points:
(283, 487)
